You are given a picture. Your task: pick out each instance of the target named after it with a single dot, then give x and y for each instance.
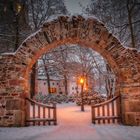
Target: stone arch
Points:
(15, 67)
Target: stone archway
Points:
(15, 67)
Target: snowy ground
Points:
(72, 125)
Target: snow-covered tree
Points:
(72, 60)
(121, 17)
(42, 10)
(19, 18)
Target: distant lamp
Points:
(81, 80)
(18, 8)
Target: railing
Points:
(106, 112)
(40, 114)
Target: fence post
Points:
(93, 114)
(55, 114)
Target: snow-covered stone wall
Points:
(15, 68)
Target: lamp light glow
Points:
(81, 80)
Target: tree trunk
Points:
(17, 33)
(66, 84)
(77, 91)
(48, 81)
(107, 89)
(108, 84)
(100, 83)
(130, 24)
(48, 76)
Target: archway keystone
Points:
(15, 68)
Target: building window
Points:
(53, 90)
(72, 88)
(53, 83)
(44, 83)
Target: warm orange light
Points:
(18, 8)
(81, 80)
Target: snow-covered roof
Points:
(52, 78)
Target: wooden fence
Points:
(106, 112)
(40, 114)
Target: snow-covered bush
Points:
(52, 98)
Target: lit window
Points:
(53, 90)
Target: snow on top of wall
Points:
(7, 53)
(52, 18)
(130, 48)
(69, 19)
(55, 17)
(92, 17)
(29, 37)
(53, 78)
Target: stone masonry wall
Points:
(15, 68)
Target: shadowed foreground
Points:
(72, 125)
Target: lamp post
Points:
(82, 86)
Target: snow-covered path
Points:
(72, 125)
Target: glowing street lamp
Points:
(82, 85)
(18, 8)
(81, 80)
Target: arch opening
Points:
(107, 58)
(61, 67)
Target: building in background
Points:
(57, 85)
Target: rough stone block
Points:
(14, 82)
(7, 121)
(19, 118)
(125, 106)
(4, 94)
(15, 104)
(138, 118)
(134, 105)
(2, 110)
(2, 90)
(9, 113)
(131, 105)
(132, 118)
(1, 122)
